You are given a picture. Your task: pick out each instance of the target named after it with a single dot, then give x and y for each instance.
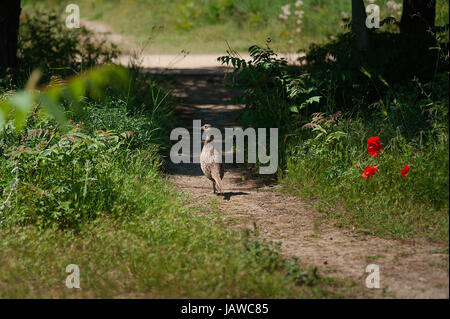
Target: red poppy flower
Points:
(369, 171)
(405, 170)
(373, 146)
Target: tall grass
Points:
(386, 204)
(95, 199)
(156, 247)
(328, 108)
(93, 195)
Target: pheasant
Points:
(211, 163)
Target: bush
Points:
(329, 167)
(63, 179)
(45, 43)
(327, 109)
(68, 178)
(66, 174)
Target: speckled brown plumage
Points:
(211, 163)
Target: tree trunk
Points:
(418, 16)
(9, 31)
(417, 19)
(359, 25)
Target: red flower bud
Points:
(405, 170)
(369, 171)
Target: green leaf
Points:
(365, 72)
(4, 110)
(309, 101)
(51, 105)
(22, 102)
(77, 88)
(313, 99)
(383, 80)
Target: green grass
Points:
(133, 235)
(386, 205)
(328, 108)
(156, 247)
(94, 197)
(205, 26)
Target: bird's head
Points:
(209, 138)
(206, 127)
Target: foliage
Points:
(272, 96)
(202, 26)
(80, 182)
(113, 117)
(326, 110)
(386, 204)
(71, 92)
(64, 182)
(160, 248)
(57, 172)
(46, 44)
(52, 169)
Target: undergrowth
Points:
(206, 26)
(83, 186)
(329, 107)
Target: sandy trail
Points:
(413, 268)
(182, 63)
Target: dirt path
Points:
(182, 63)
(408, 269)
(411, 268)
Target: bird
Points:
(211, 163)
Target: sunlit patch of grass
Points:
(386, 205)
(158, 249)
(144, 240)
(204, 26)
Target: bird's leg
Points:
(214, 187)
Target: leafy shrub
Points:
(326, 110)
(65, 181)
(113, 116)
(59, 173)
(273, 97)
(55, 175)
